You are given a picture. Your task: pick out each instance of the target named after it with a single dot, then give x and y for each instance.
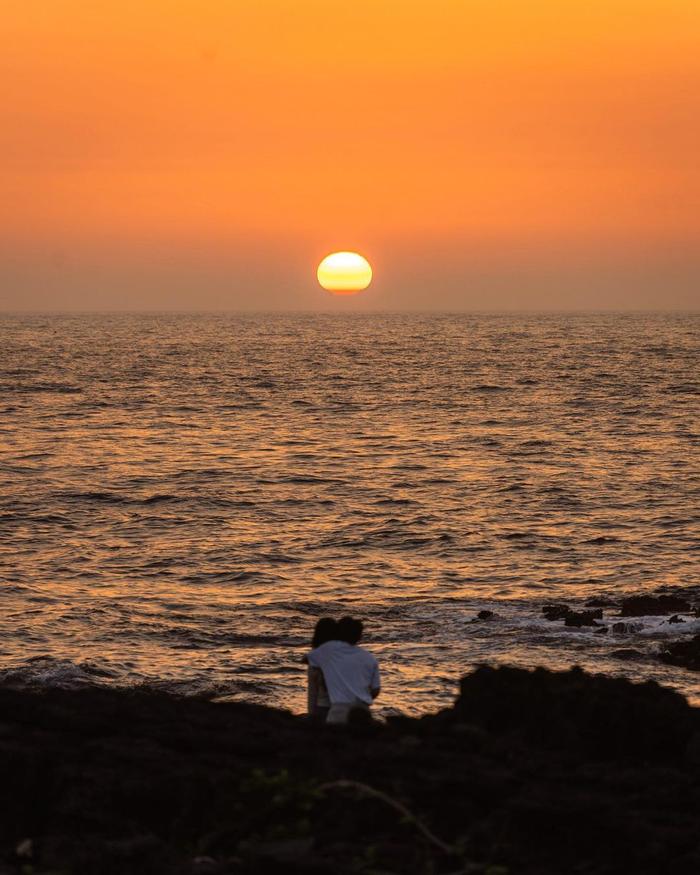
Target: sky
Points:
(482, 154)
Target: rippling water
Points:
(182, 495)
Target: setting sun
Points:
(344, 273)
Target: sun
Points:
(344, 273)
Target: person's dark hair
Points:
(350, 630)
(326, 630)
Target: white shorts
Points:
(340, 712)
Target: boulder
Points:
(583, 618)
(555, 612)
(683, 653)
(606, 717)
(483, 615)
(627, 628)
(572, 618)
(654, 606)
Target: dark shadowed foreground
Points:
(529, 772)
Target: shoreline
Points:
(648, 636)
(529, 771)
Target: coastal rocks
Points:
(526, 766)
(627, 628)
(654, 606)
(683, 653)
(555, 612)
(605, 717)
(634, 606)
(573, 619)
(583, 618)
(483, 615)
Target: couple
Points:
(343, 677)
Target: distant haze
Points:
(198, 154)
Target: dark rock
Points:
(555, 612)
(676, 619)
(485, 615)
(627, 628)
(526, 766)
(583, 618)
(683, 653)
(653, 606)
(571, 618)
(602, 630)
(605, 717)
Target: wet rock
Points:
(683, 653)
(574, 619)
(583, 618)
(484, 615)
(627, 628)
(602, 630)
(653, 606)
(676, 619)
(555, 612)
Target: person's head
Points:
(326, 630)
(350, 630)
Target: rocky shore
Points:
(529, 772)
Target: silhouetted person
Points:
(351, 673)
(317, 695)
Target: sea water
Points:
(182, 496)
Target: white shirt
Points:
(350, 671)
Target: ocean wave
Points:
(412, 469)
(33, 388)
(46, 671)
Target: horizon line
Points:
(335, 312)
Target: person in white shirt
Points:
(350, 672)
(317, 695)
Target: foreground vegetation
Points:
(529, 772)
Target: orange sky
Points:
(208, 153)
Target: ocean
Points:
(183, 495)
